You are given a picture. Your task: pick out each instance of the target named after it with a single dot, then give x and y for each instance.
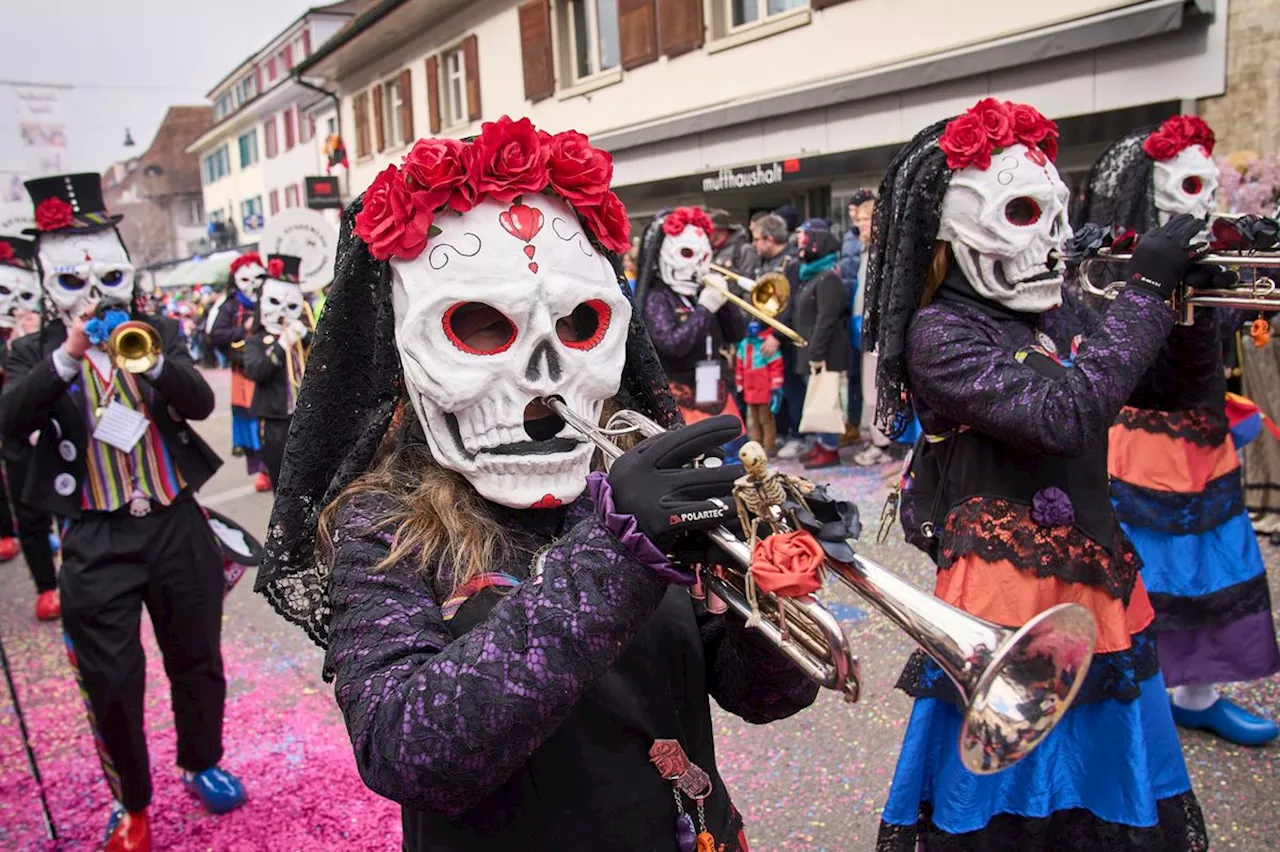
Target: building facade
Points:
(268, 132)
(159, 193)
(751, 104)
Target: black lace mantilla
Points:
(1117, 676)
(1221, 607)
(1179, 514)
(1180, 829)
(994, 529)
(1204, 427)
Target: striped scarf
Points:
(113, 475)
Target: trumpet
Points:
(1262, 294)
(769, 296)
(134, 347)
(1016, 684)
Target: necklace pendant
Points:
(686, 837)
(140, 507)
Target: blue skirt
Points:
(244, 433)
(1107, 762)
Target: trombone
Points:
(769, 296)
(1262, 294)
(1016, 684)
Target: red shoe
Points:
(810, 453)
(9, 549)
(47, 606)
(262, 482)
(822, 458)
(128, 833)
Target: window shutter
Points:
(471, 61)
(535, 49)
(288, 56)
(274, 201)
(433, 93)
(377, 92)
(360, 105)
(257, 79)
(822, 4)
(680, 27)
(406, 107)
(306, 42)
(637, 32)
(290, 137)
(269, 131)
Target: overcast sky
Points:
(127, 61)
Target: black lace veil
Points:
(349, 396)
(904, 227)
(647, 271)
(1118, 191)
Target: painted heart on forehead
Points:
(81, 268)
(484, 334)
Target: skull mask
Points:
(279, 305)
(248, 279)
(1186, 183)
(19, 291)
(508, 304)
(1003, 223)
(81, 268)
(684, 259)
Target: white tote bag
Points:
(823, 412)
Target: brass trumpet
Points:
(134, 347)
(1016, 684)
(1261, 295)
(769, 296)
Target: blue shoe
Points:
(1230, 721)
(218, 790)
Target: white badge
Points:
(64, 484)
(121, 427)
(706, 378)
(67, 450)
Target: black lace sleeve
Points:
(437, 722)
(749, 677)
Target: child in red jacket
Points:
(759, 380)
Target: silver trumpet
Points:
(1016, 684)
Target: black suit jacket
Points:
(227, 333)
(264, 364)
(36, 399)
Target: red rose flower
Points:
(1191, 130)
(579, 172)
(6, 252)
(52, 214)
(1162, 146)
(395, 221)
(966, 143)
(1033, 129)
(997, 121)
(608, 221)
(510, 160)
(682, 217)
(440, 169)
(1049, 145)
(788, 565)
(275, 268)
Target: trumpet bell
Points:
(771, 293)
(134, 347)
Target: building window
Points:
(248, 148)
(592, 27)
(216, 166)
(291, 195)
(454, 84)
(250, 208)
(273, 201)
(246, 89)
(272, 142)
(222, 107)
(743, 12)
(193, 211)
(331, 126)
(392, 104)
(306, 127)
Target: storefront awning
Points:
(172, 277)
(213, 270)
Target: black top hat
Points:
(284, 267)
(15, 251)
(69, 203)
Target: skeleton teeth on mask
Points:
(279, 305)
(1003, 224)
(1187, 183)
(684, 260)
(84, 268)
(483, 331)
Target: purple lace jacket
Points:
(441, 722)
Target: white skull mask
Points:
(508, 304)
(19, 291)
(84, 268)
(1003, 223)
(279, 305)
(1185, 184)
(249, 278)
(684, 259)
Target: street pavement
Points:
(815, 782)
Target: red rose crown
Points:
(1178, 133)
(990, 126)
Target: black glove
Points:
(1163, 254)
(652, 483)
(1204, 276)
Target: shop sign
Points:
(762, 174)
(322, 193)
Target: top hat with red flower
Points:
(69, 203)
(284, 267)
(15, 251)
